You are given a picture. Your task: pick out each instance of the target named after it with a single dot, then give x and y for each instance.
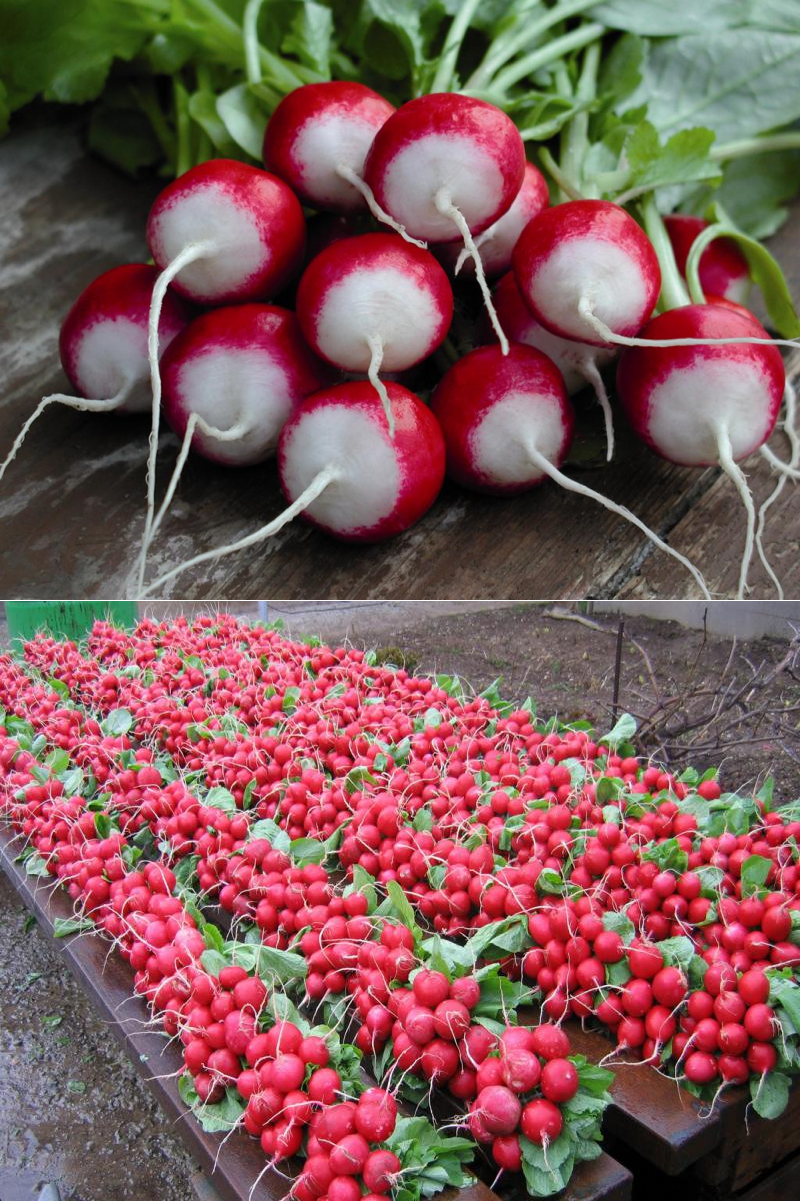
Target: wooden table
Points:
(71, 507)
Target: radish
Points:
(447, 166)
(341, 468)
(374, 301)
(508, 423)
(231, 233)
(723, 268)
(578, 362)
(498, 241)
(500, 1109)
(317, 140)
(103, 345)
(230, 383)
(703, 404)
(586, 263)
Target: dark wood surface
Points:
(71, 507)
(234, 1167)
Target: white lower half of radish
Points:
(617, 293)
(498, 443)
(687, 408)
(110, 354)
(325, 143)
(379, 303)
(435, 163)
(573, 359)
(232, 388)
(208, 214)
(349, 440)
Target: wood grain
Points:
(71, 507)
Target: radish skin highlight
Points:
(446, 167)
(103, 345)
(704, 400)
(342, 470)
(578, 362)
(374, 302)
(508, 424)
(223, 232)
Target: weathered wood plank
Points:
(72, 504)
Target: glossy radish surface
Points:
(242, 366)
(498, 241)
(318, 134)
(587, 256)
(723, 269)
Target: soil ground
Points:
(109, 1139)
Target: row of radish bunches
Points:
(444, 178)
(436, 882)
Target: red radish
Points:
(583, 261)
(703, 404)
(447, 166)
(541, 1121)
(230, 383)
(231, 233)
(103, 345)
(342, 470)
(498, 241)
(723, 268)
(374, 302)
(379, 1170)
(499, 1108)
(317, 140)
(559, 1080)
(578, 362)
(507, 423)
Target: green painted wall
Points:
(64, 619)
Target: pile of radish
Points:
(413, 203)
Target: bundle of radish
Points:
(104, 345)
(230, 382)
(374, 302)
(341, 467)
(508, 423)
(224, 232)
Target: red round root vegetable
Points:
(318, 138)
(723, 269)
(587, 259)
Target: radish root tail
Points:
(544, 464)
(375, 343)
(787, 472)
(445, 206)
(586, 310)
(592, 374)
(72, 402)
(189, 254)
(378, 213)
(318, 485)
(732, 469)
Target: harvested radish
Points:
(700, 404)
(374, 301)
(508, 423)
(103, 345)
(317, 140)
(587, 262)
(341, 468)
(578, 362)
(723, 269)
(232, 233)
(445, 167)
(498, 241)
(231, 381)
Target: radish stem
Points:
(544, 464)
(445, 71)
(72, 402)
(445, 206)
(251, 44)
(318, 485)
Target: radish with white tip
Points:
(103, 345)
(496, 244)
(222, 233)
(446, 167)
(699, 404)
(374, 302)
(318, 138)
(508, 425)
(344, 472)
(578, 362)
(231, 380)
